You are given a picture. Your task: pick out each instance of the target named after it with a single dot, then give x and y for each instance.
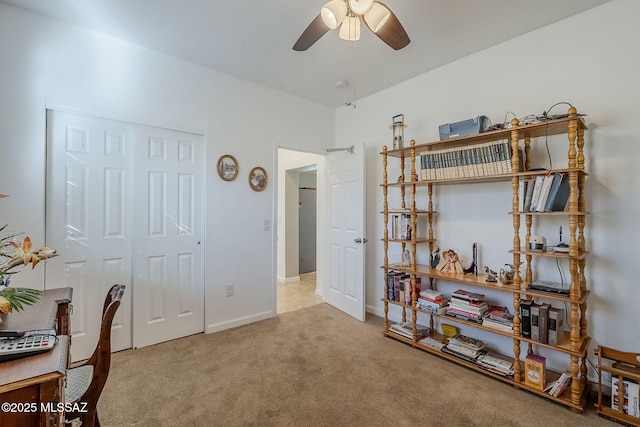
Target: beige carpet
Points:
(312, 367)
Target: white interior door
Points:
(345, 288)
(169, 254)
(125, 204)
(89, 163)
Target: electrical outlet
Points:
(230, 290)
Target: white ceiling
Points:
(252, 39)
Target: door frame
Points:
(319, 161)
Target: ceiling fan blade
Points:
(311, 34)
(393, 33)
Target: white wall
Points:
(589, 60)
(49, 63)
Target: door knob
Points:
(359, 240)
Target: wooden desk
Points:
(34, 385)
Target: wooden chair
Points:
(86, 381)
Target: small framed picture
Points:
(227, 167)
(258, 179)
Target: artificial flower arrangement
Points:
(12, 255)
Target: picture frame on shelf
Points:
(227, 167)
(258, 179)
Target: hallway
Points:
(296, 295)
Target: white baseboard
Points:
(217, 327)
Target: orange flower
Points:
(25, 255)
(5, 306)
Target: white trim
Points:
(241, 321)
(289, 279)
(101, 115)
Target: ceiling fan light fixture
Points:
(350, 29)
(360, 7)
(376, 17)
(333, 13)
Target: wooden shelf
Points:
(547, 254)
(408, 212)
(551, 127)
(485, 178)
(625, 366)
(580, 349)
(576, 340)
(563, 399)
(418, 240)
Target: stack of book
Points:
(399, 286)
(432, 342)
(545, 193)
(406, 330)
(432, 301)
(498, 317)
(482, 159)
(496, 363)
(401, 227)
(562, 383)
(464, 347)
(467, 306)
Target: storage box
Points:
(631, 397)
(535, 371)
(464, 127)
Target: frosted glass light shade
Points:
(360, 7)
(333, 13)
(350, 28)
(377, 16)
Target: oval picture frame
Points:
(227, 167)
(258, 179)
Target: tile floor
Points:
(296, 295)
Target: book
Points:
(535, 371)
(544, 193)
(558, 197)
(467, 341)
(535, 321)
(471, 359)
(522, 190)
(390, 285)
(631, 396)
(553, 191)
(543, 321)
(555, 325)
(537, 187)
(496, 362)
(525, 318)
(432, 342)
(561, 384)
(406, 330)
(497, 325)
(528, 195)
(471, 296)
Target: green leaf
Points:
(20, 297)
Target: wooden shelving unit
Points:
(625, 367)
(417, 200)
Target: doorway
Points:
(297, 255)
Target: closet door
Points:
(169, 233)
(125, 204)
(88, 210)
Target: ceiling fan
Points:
(347, 14)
